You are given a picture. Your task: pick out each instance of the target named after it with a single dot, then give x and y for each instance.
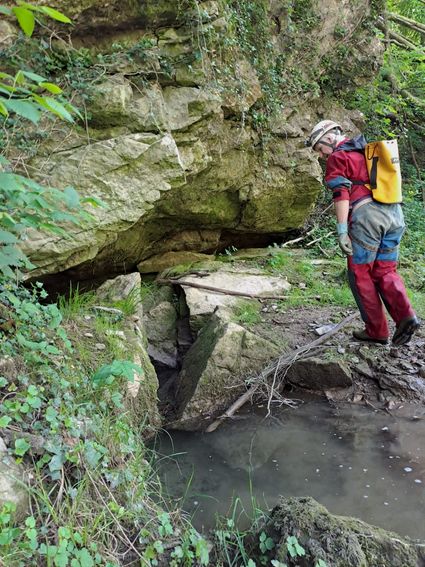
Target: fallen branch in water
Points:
(177, 281)
(278, 366)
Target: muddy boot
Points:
(405, 330)
(364, 337)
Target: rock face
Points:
(172, 145)
(338, 541)
(131, 342)
(13, 481)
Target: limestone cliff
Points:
(195, 117)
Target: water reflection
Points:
(353, 460)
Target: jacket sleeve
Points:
(335, 176)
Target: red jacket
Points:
(347, 165)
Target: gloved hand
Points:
(345, 244)
(344, 239)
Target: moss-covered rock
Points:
(215, 368)
(337, 540)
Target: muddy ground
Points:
(382, 376)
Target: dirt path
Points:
(382, 376)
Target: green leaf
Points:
(71, 196)
(30, 522)
(21, 447)
(55, 14)
(3, 109)
(54, 106)
(51, 87)
(6, 11)
(94, 202)
(85, 558)
(4, 421)
(33, 76)
(24, 108)
(7, 237)
(56, 462)
(117, 368)
(25, 19)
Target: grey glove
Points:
(345, 244)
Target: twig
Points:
(319, 239)
(285, 244)
(281, 363)
(174, 281)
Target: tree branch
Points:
(395, 37)
(177, 281)
(407, 22)
(278, 365)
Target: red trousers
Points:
(376, 230)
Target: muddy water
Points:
(355, 461)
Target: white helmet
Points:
(321, 128)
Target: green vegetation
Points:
(247, 313)
(65, 412)
(393, 103)
(313, 283)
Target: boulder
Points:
(160, 324)
(120, 288)
(215, 368)
(318, 374)
(13, 485)
(338, 541)
(203, 302)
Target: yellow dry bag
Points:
(383, 165)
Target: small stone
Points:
(114, 333)
(100, 346)
(89, 335)
(323, 329)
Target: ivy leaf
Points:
(4, 421)
(56, 462)
(21, 447)
(25, 19)
(24, 108)
(116, 368)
